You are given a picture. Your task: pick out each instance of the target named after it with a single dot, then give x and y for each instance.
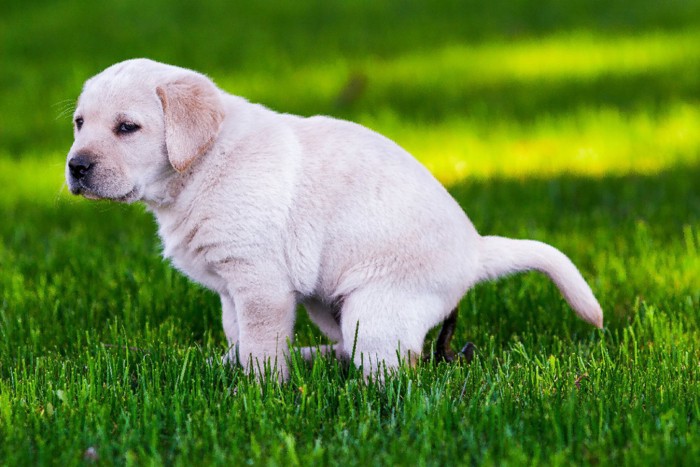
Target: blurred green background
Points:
(471, 88)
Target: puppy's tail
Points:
(500, 256)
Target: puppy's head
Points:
(136, 124)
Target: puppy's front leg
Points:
(229, 320)
(265, 324)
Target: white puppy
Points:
(270, 210)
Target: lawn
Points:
(575, 123)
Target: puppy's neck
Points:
(174, 188)
(164, 194)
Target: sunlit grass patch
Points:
(559, 57)
(592, 142)
(575, 55)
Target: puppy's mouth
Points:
(129, 197)
(78, 188)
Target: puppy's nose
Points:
(79, 165)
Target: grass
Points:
(575, 123)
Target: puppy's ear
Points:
(193, 114)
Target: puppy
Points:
(271, 210)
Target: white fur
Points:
(270, 210)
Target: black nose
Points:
(79, 165)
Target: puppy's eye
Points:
(79, 123)
(127, 127)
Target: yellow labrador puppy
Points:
(270, 210)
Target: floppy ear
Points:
(193, 114)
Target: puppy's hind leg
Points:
(384, 327)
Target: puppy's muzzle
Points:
(80, 165)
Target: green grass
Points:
(576, 123)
